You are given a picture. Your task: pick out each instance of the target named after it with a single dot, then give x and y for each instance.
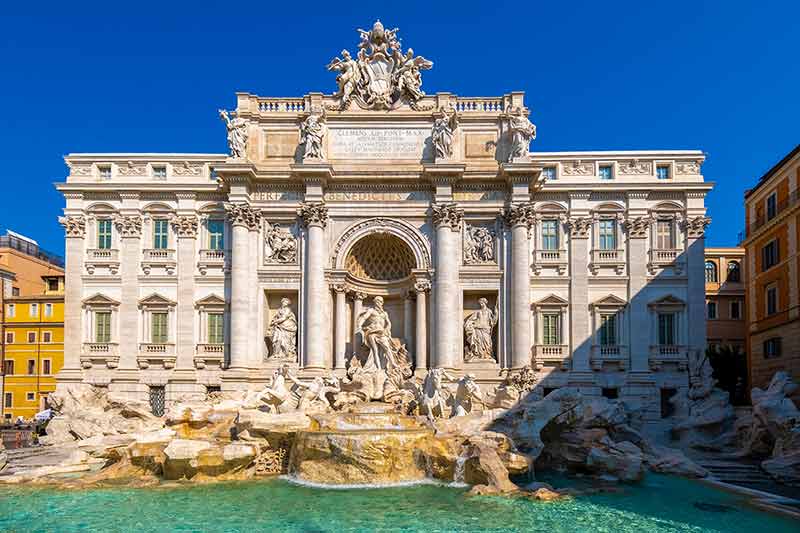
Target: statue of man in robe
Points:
(376, 334)
(237, 134)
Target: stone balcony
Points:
(102, 257)
(100, 354)
(660, 258)
(209, 355)
(547, 354)
(607, 258)
(661, 354)
(151, 354)
(209, 259)
(550, 259)
(609, 353)
(161, 258)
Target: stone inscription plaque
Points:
(378, 143)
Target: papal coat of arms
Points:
(381, 76)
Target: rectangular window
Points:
(160, 173)
(662, 172)
(549, 173)
(216, 233)
(665, 235)
(14, 291)
(30, 396)
(157, 398)
(48, 310)
(549, 234)
(216, 329)
(47, 337)
(102, 326)
(772, 348)
(666, 328)
(11, 310)
(47, 367)
(606, 172)
(33, 310)
(771, 298)
(8, 367)
(736, 310)
(105, 172)
(610, 393)
(711, 310)
(608, 330)
(52, 284)
(160, 233)
(31, 337)
(772, 206)
(9, 337)
(31, 367)
(158, 328)
(551, 328)
(104, 234)
(608, 234)
(770, 255)
(8, 400)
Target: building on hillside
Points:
(772, 218)
(33, 334)
(188, 273)
(725, 301)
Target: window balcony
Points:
(661, 354)
(100, 354)
(102, 257)
(156, 354)
(548, 354)
(660, 258)
(209, 355)
(610, 258)
(609, 353)
(158, 258)
(211, 259)
(550, 259)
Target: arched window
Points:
(711, 272)
(734, 272)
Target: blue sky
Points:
(721, 76)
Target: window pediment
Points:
(212, 300)
(610, 301)
(668, 301)
(156, 300)
(100, 300)
(551, 301)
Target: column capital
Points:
(358, 295)
(74, 226)
(519, 215)
(241, 214)
(637, 227)
(313, 214)
(696, 227)
(422, 285)
(185, 226)
(579, 227)
(129, 227)
(447, 214)
(339, 288)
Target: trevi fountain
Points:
(465, 388)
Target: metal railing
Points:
(790, 201)
(33, 250)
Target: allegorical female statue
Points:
(282, 332)
(237, 134)
(442, 134)
(522, 133)
(478, 332)
(312, 133)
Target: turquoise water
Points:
(659, 504)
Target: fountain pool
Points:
(660, 503)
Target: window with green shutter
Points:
(666, 328)
(216, 331)
(160, 234)
(158, 325)
(104, 234)
(102, 326)
(608, 330)
(551, 325)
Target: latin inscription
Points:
(378, 143)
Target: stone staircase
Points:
(739, 472)
(23, 459)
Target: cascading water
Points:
(458, 472)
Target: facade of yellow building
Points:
(33, 335)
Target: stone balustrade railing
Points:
(158, 255)
(668, 353)
(664, 256)
(100, 353)
(479, 105)
(102, 255)
(551, 353)
(281, 105)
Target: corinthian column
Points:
(242, 218)
(340, 339)
(447, 219)
(75, 230)
(185, 227)
(315, 217)
(130, 232)
(422, 286)
(520, 218)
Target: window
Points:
(31, 367)
(216, 234)
(666, 328)
(667, 407)
(711, 310)
(104, 234)
(8, 401)
(158, 328)
(105, 172)
(216, 328)
(549, 234)
(665, 235)
(608, 330)
(770, 255)
(772, 348)
(52, 284)
(662, 172)
(47, 337)
(771, 298)
(33, 310)
(551, 328)
(610, 393)
(31, 337)
(736, 310)
(14, 291)
(606, 172)
(734, 272)
(8, 367)
(102, 326)
(11, 310)
(160, 233)
(711, 272)
(772, 206)
(157, 397)
(9, 337)
(160, 173)
(48, 310)
(608, 234)
(30, 396)
(549, 173)
(47, 367)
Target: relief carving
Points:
(280, 246)
(577, 168)
(696, 227)
(479, 243)
(185, 225)
(243, 215)
(580, 227)
(635, 167)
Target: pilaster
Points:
(580, 338)
(75, 231)
(447, 218)
(185, 228)
(520, 218)
(129, 227)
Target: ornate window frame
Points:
(551, 353)
(610, 304)
(93, 352)
(672, 353)
(206, 353)
(156, 352)
(660, 258)
(615, 257)
(557, 258)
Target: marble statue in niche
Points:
(478, 332)
(280, 246)
(478, 245)
(237, 134)
(312, 135)
(443, 134)
(282, 332)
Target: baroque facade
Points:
(383, 222)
